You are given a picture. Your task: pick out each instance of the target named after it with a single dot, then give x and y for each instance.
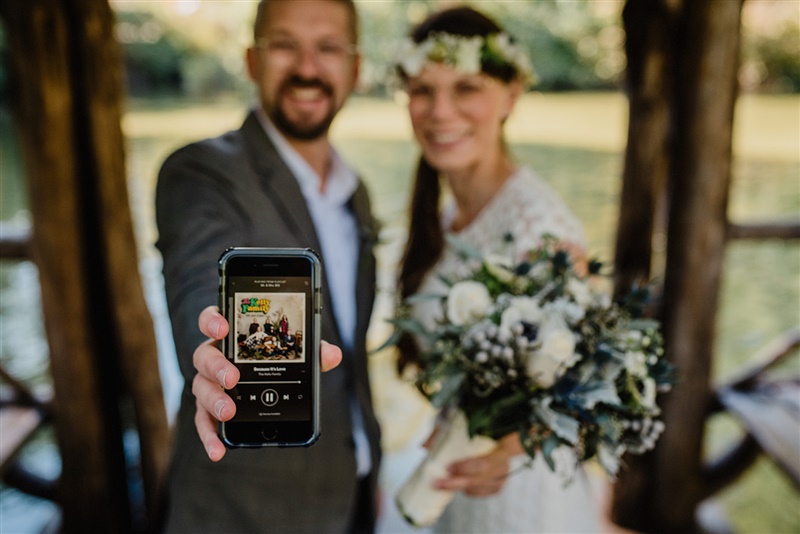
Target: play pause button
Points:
(269, 397)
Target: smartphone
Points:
(272, 299)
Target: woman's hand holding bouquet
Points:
(535, 351)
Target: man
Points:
(275, 182)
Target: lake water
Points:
(574, 142)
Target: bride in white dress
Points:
(463, 77)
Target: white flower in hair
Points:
(468, 55)
(464, 53)
(412, 57)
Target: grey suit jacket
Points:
(235, 190)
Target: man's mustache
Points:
(296, 82)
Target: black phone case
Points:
(270, 432)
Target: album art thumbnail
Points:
(269, 327)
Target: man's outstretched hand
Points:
(216, 374)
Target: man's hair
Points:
(261, 17)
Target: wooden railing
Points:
(766, 407)
(789, 229)
(22, 413)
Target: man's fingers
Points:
(213, 399)
(212, 323)
(212, 365)
(330, 356)
(207, 430)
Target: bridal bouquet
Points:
(538, 348)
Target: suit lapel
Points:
(368, 237)
(279, 184)
(287, 200)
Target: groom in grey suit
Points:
(275, 182)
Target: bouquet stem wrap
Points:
(418, 501)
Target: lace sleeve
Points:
(535, 210)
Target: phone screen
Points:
(271, 304)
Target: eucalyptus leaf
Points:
(412, 326)
(463, 248)
(608, 458)
(424, 297)
(589, 395)
(562, 425)
(643, 324)
(550, 444)
(450, 386)
(390, 342)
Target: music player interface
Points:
(269, 318)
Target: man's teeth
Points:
(306, 94)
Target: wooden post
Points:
(66, 76)
(663, 490)
(649, 26)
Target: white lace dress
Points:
(533, 499)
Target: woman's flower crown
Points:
(464, 53)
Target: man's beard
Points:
(295, 130)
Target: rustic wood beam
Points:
(705, 95)
(641, 214)
(66, 79)
(765, 230)
(730, 465)
(661, 490)
(772, 354)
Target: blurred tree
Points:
(195, 48)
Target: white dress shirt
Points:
(337, 230)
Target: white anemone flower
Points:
(467, 301)
(521, 309)
(555, 352)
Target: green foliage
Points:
(774, 59)
(159, 60)
(576, 45)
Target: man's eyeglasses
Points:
(284, 51)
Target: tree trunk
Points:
(66, 76)
(662, 491)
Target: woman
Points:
(464, 76)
